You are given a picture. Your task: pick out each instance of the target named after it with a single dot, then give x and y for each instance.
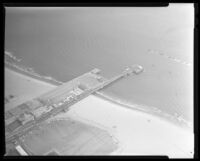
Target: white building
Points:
(21, 150)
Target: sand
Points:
(23, 88)
(137, 133)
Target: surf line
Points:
(157, 52)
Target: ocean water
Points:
(64, 43)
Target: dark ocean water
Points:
(67, 42)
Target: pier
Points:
(24, 117)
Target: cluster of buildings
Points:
(33, 110)
(59, 99)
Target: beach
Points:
(23, 88)
(137, 133)
(45, 47)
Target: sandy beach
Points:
(137, 133)
(23, 88)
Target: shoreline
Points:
(178, 121)
(130, 127)
(17, 69)
(155, 112)
(22, 87)
(14, 65)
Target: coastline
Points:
(137, 132)
(155, 112)
(15, 68)
(151, 114)
(138, 107)
(22, 87)
(13, 63)
(128, 126)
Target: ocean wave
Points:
(28, 70)
(10, 55)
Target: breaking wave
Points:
(13, 61)
(10, 55)
(177, 119)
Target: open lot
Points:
(69, 137)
